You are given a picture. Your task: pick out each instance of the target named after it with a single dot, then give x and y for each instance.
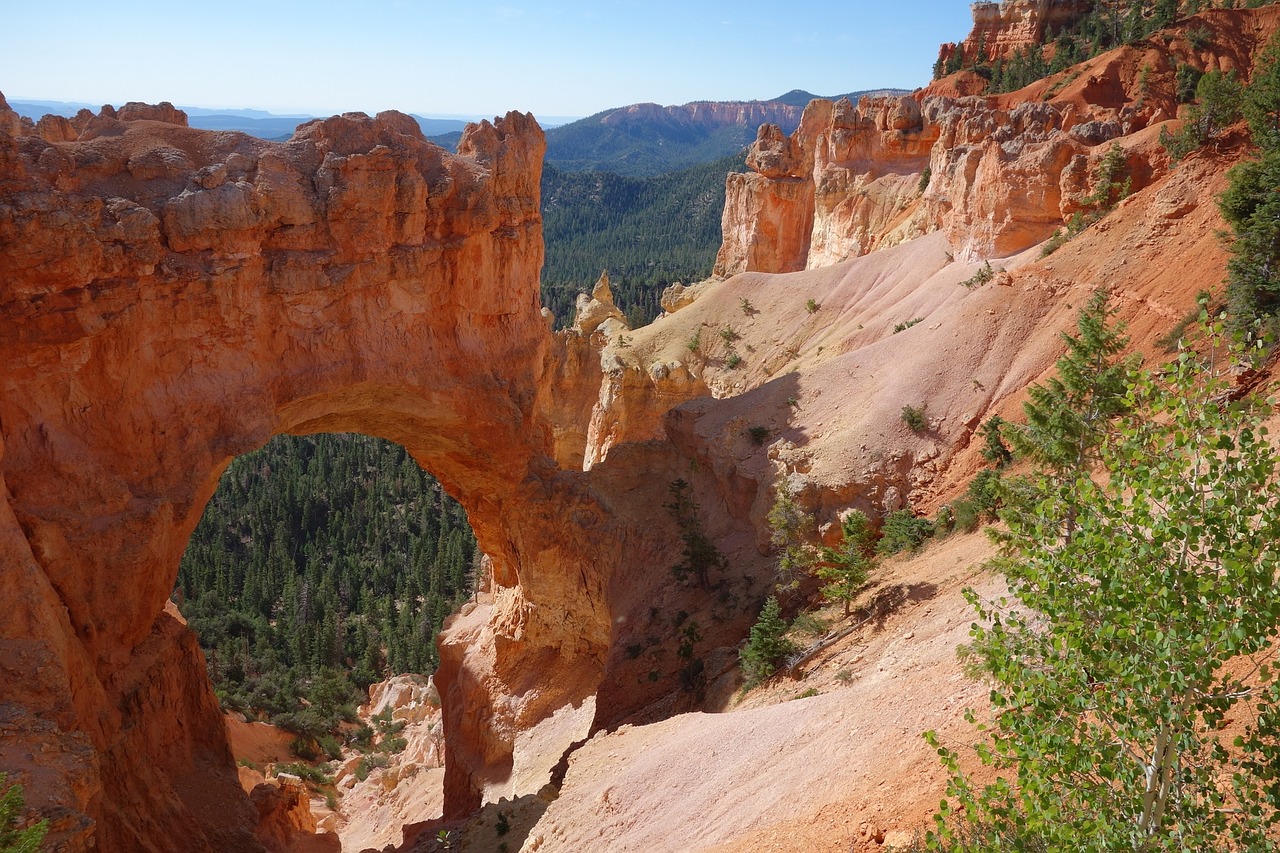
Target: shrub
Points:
(944, 522)
(981, 277)
(966, 516)
(995, 450)
(1219, 103)
(925, 177)
(700, 555)
(729, 335)
(1111, 181)
(746, 306)
(984, 492)
(915, 419)
(767, 646)
(1056, 242)
(304, 748)
(907, 324)
(759, 434)
(902, 531)
(329, 746)
(694, 343)
(314, 776)
(1188, 77)
(811, 306)
(733, 361)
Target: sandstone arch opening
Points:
(317, 579)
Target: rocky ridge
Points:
(997, 174)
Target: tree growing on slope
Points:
(1126, 647)
(790, 529)
(1252, 209)
(845, 568)
(767, 645)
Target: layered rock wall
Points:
(851, 180)
(826, 192)
(707, 114)
(1001, 29)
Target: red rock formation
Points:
(284, 816)
(829, 191)
(175, 297)
(1000, 29)
(1005, 171)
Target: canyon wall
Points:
(998, 174)
(173, 298)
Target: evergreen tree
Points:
(790, 529)
(767, 646)
(700, 555)
(845, 568)
(1067, 415)
(1251, 205)
(295, 570)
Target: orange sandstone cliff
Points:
(173, 298)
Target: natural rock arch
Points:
(173, 298)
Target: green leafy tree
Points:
(790, 531)
(1125, 648)
(767, 646)
(14, 838)
(845, 568)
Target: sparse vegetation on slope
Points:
(1104, 25)
(15, 838)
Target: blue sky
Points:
(475, 58)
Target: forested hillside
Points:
(322, 561)
(647, 232)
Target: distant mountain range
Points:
(647, 139)
(639, 140)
